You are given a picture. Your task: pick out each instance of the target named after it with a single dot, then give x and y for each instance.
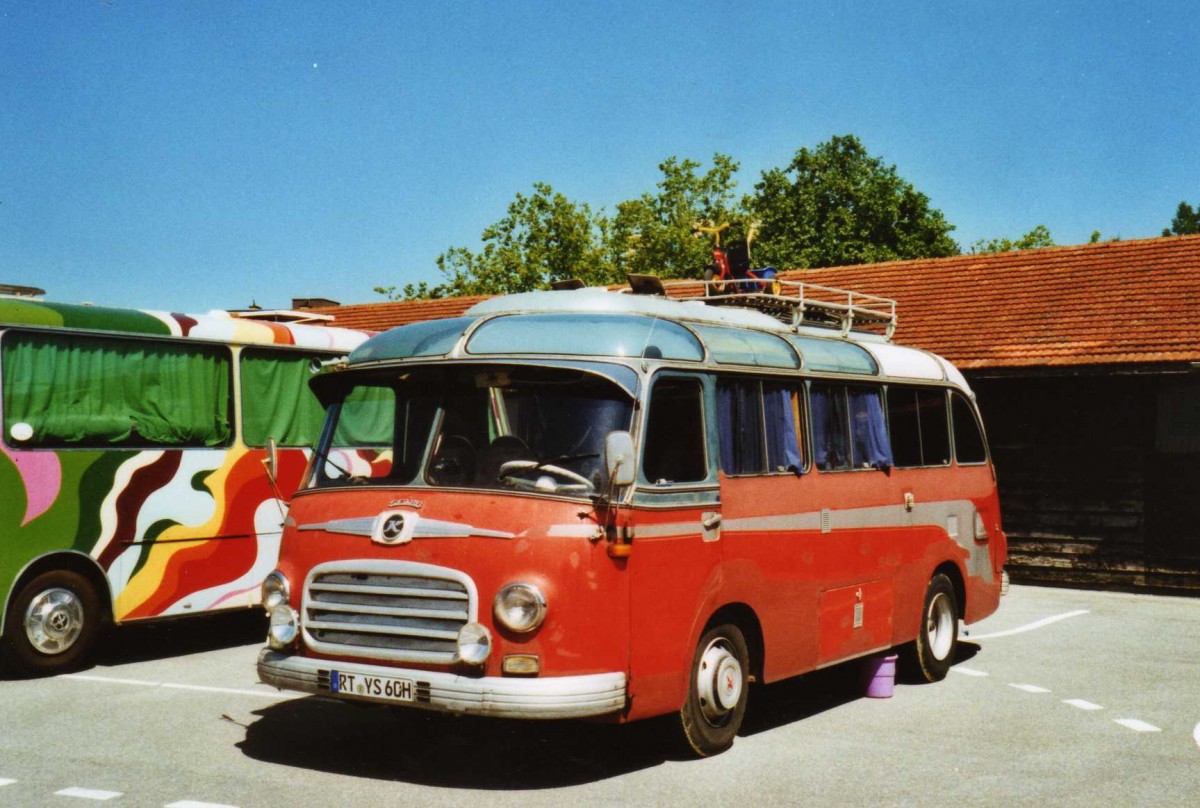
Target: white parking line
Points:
(1136, 725)
(88, 794)
(1196, 734)
(4, 781)
(1029, 688)
(110, 680)
(967, 671)
(1081, 704)
(1029, 627)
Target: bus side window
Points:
(849, 430)
(917, 423)
(674, 448)
(84, 391)
(756, 422)
(968, 440)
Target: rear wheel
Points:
(937, 639)
(717, 691)
(51, 625)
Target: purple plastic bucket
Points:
(879, 676)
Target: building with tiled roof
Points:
(1086, 363)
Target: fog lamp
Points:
(282, 627)
(474, 643)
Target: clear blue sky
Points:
(190, 156)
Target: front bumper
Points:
(500, 697)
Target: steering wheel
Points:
(575, 482)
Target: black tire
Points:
(930, 657)
(51, 625)
(717, 691)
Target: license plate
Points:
(384, 688)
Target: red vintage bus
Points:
(609, 505)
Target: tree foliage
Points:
(831, 205)
(543, 237)
(1035, 238)
(837, 205)
(1186, 221)
(655, 233)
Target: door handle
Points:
(711, 521)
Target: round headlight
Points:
(520, 607)
(282, 627)
(276, 591)
(474, 643)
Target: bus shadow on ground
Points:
(434, 749)
(141, 642)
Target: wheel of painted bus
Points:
(937, 640)
(717, 691)
(51, 625)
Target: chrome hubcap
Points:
(939, 626)
(719, 681)
(54, 621)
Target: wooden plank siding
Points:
(1087, 498)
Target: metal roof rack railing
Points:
(797, 303)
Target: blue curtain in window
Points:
(831, 448)
(869, 430)
(739, 417)
(725, 421)
(782, 449)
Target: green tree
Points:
(1035, 238)
(836, 205)
(544, 237)
(655, 233)
(1186, 221)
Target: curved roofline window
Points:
(429, 338)
(744, 346)
(585, 334)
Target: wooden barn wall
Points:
(1099, 478)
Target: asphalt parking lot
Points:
(1064, 697)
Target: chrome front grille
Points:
(399, 611)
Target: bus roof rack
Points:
(796, 303)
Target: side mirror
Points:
(618, 458)
(271, 461)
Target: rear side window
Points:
(968, 439)
(919, 429)
(849, 430)
(276, 399)
(72, 390)
(674, 449)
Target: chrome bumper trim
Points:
(501, 697)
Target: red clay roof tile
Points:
(1125, 302)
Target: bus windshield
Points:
(498, 427)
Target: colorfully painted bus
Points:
(131, 465)
(616, 506)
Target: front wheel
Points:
(51, 625)
(717, 691)
(937, 639)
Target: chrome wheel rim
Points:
(939, 626)
(54, 621)
(719, 682)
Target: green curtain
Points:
(367, 419)
(76, 390)
(276, 399)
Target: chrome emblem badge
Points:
(393, 528)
